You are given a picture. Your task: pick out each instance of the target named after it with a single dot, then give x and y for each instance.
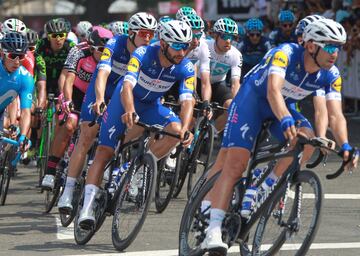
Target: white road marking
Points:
(64, 233)
(329, 196)
(235, 249)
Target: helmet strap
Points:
(132, 39)
(166, 54)
(314, 56)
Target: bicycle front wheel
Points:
(133, 201)
(293, 223)
(4, 177)
(44, 150)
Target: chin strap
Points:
(314, 55)
(165, 52)
(132, 39)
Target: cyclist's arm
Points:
(186, 114)
(61, 80)
(275, 98)
(100, 84)
(321, 116)
(127, 97)
(41, 81)
(12, 109)
(68, 86)
(27, 89)
(236, 73)
(337, 121)
(41, 93)
(205, 86)
(25, 120)
(235, 86)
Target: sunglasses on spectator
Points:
(179, 46)
(254, 34)
(56, 35)
(197, 35)
(98, 48)
(32, 48)
(329, 48)
(286, 25)
(143, 33)
(226, 37)
(15, 56)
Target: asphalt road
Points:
(26, 230)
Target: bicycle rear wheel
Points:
(51, 196)
(5, 176)
(132, 208)
(181, 168)
(295, 218)
(200, 161)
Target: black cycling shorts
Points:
(220, 92)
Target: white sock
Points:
(69, 186)
(90, 192)
(273, 176)
(216, 218)
(205, 206)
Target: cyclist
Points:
(285, 75)
(285, 33)
(119, 27)
(82, 30)
(16, 80)
(152, 70)
(12, 24)
(223, 58)
(50, 54)
(111, 68)
(254, 45)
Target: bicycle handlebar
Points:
(93, 122)
(12, 142)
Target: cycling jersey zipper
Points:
(162, 70)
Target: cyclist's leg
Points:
(221, 94)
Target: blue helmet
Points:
(254, 24)
(241, 30)
(165, 19)
(286, 16)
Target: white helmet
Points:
(14, 25)
(142, 20)
(185, 11)
(302, 24)
(82, 28)
(325, 30)
(176, 31)
(118, 27)
(71, 36)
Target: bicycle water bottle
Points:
(116, 177)
(265, 188)
(248, 201)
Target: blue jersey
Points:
(115, 58)
(287, 60)
(18, 83)
(150, 80)
(277, 37)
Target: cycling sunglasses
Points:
(32, 48)
(144, 33)
(226, 37)
(254, 34)
(56, 35)
(98, 48)
(179, 46)
(286, 25)
(197, 35)
(329, 48)
(15, 56)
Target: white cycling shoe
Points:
(87, 218)
(65, 203)
(213, 242)
(48, 182)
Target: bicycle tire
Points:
(51, 196)
(45, 153)
(181, 168)
(5, 178)
(164, 178)
(196, 155)
(82, 236)
(121, 214)
(302, 177)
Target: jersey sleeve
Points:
(236, 65)
(27, 88)
(133, 67)
(106, 57)
(333, 89)
(72, 59)
(40, 68)
(187, 81)
(204, 57)
(279, 63)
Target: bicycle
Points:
(9, 157)
(273, 205)
(191, 159)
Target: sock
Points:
(90, 192)
(216, 218)
(52, 163)
(152, 154)
(69, 186)
(273, 176)
(205, 206)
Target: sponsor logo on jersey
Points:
(280, 60)
(189, 83)
(337, 84)
(106, 54)
(133, 65)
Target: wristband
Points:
(287, 122)
(346, 147)
(21, 138)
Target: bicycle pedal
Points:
(65, 210)
(217, 252)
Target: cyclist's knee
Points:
(173, 127)
(104, 153)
